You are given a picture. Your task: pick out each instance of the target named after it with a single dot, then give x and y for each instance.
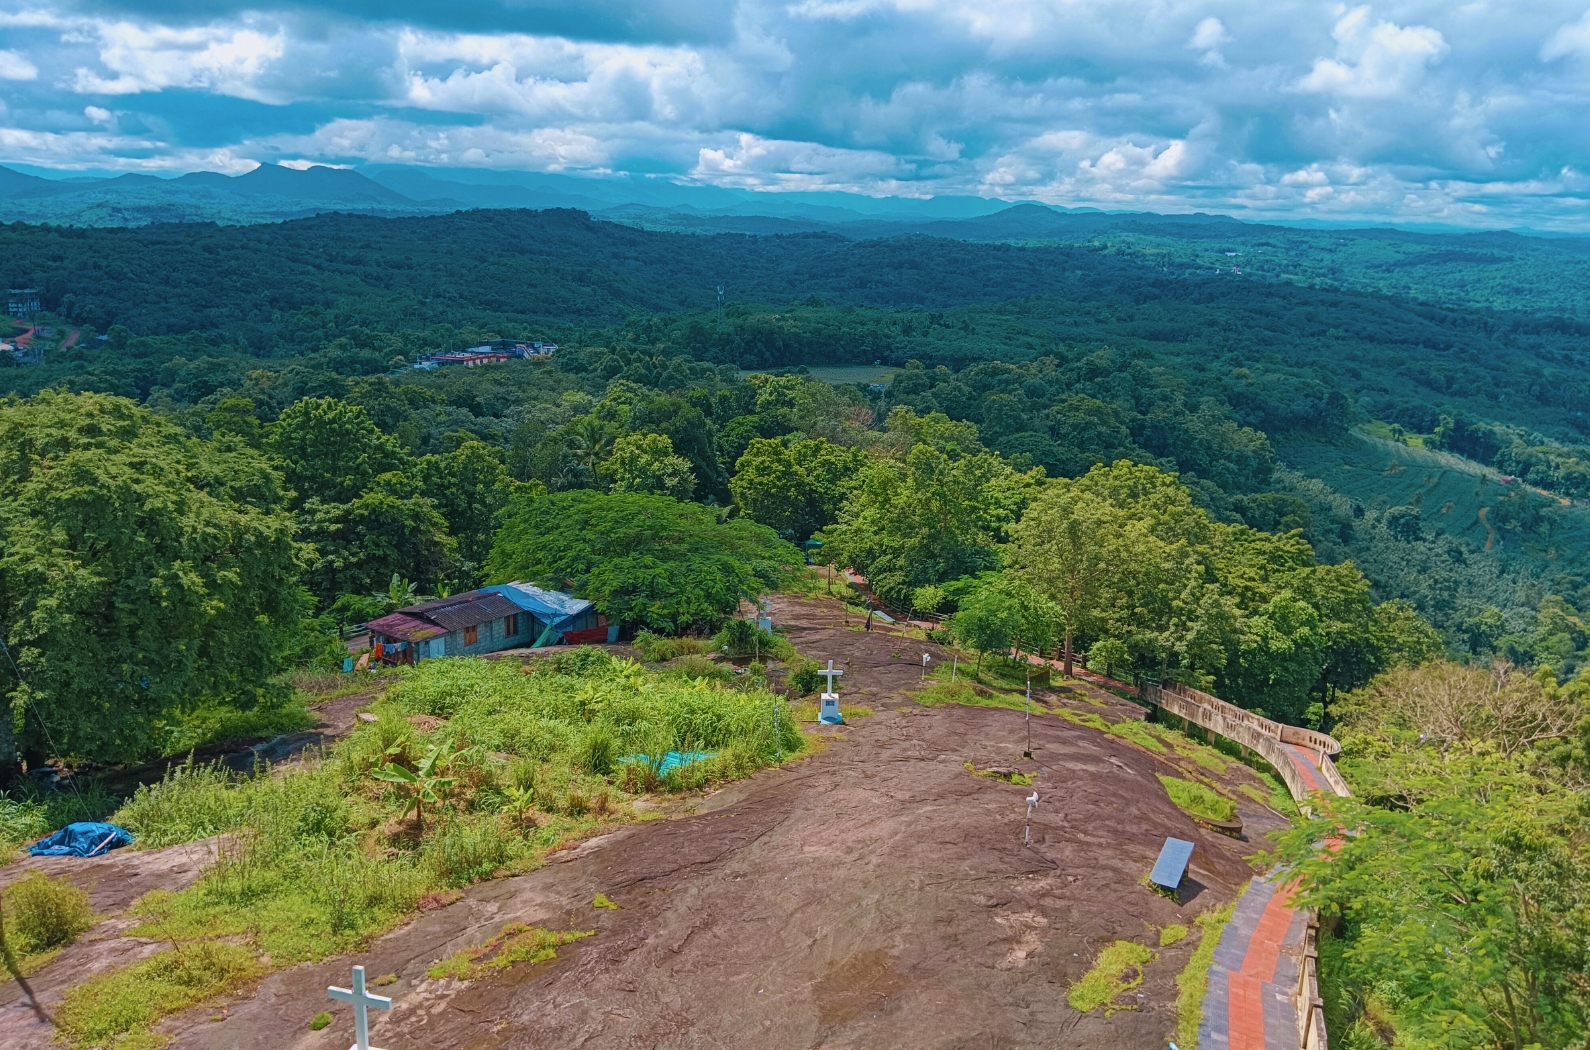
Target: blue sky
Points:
(1451, 112)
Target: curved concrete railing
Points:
(1252, 731)
(1267, 739)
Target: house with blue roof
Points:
(488, 620)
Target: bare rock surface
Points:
(874, 894)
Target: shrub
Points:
(802, 675)
(598, 752)
(655, 648)
(191, 802)
(743, 638)
(44, 913)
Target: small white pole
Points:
(1032, 800)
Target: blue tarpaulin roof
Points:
(1172, 863)
(83, 839)
(550, 607)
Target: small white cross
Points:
(361, 1001)
(831, 674)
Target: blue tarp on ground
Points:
(672, 760)
(83, 839)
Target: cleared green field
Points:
(1454, 495)
(844, 374)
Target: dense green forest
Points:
(1255, 392)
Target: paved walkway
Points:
(1308, 765)
(1248, 1005)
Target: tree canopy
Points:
(144, 573)
(645, 560)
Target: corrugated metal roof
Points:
(406, 628)
(549, 606)
(469, 612)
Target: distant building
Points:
(489, 620)
(496, 350)
(23, 303)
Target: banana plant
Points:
(424, 785)
(519, 801)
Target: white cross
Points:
(831, 674)
(361, 1001)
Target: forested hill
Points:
(296, 287)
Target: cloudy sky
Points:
(1441, 111)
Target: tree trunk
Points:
(1068, 651)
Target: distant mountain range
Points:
(273, 193)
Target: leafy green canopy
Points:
(645, 560)
(1122, 553)
(1462, 889)
(795, 487)
(144, 572)
(928, 515)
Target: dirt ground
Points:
(875, 894)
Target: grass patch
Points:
(115, 1010)
(319, 1021)
(601, 900)
(516, 943)
(1198, 800)
(1084, 718)
(320, 857)
(807, 711)
(969, 694)
(1193, 980)
(222, 723)
(1117, 970)
(1138, 733)
(1175, 933)
(656, 648)
(1009, 776)
(1186, 747)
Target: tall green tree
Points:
(143, 572)
(646, 463)
(645, 560)
(329, 450)
(795, 487)
(469, 486)
(390, 530)
(1075, 549)
(928, 517)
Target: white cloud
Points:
(15, 66)
(97, 115)
(1208, 36)
(1571, 39)
(228, 60)
(1380, 61)
(752, 162)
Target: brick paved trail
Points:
(1248, 1005)
(1249, 1002)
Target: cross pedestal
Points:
(362, 1001)
(828, 709)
